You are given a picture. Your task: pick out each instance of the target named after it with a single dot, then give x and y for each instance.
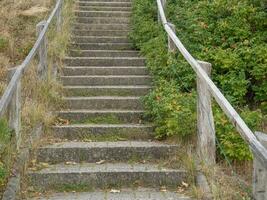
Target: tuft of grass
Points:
(108, 119)
(5, 133)
(113, 137)
(81, 187)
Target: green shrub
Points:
(171, 110)
(230, 142)
(230, 35)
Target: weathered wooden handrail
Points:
(259, 151)
(11, 91)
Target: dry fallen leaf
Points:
(43, 165)
(163, 189)
(185, 184)
(114, 191)
(100, 162)
(70, 163)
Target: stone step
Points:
(124, 151)
(88, 131)
(101, 39)
(104, 4)
(104, 102)
(106, 80)
(107, 1)
(83, 116)
(99, 33)
(123, 90)
(105, 175)
(124, 194)
(102, 14)
(103, 46)
(109, 70)
(103, 8)
(102, 20)
(104, 61)
(103, 53)
(82, 26)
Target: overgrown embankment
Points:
(210, 31)
(229, 34)
(39, 97)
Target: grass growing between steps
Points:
(77, 92)
(108, 119)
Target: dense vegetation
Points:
(229, 34)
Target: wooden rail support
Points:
(171, 45)
(14, 110)
(42, 52)
(260, 172)
(205, 121)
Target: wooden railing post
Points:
(171, 45)
(14, 110)
(259, 183)
(163, 2)
(59, 17)
(205, 121)
(42, 52)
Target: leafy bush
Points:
(232, 36)
(230, 142)
(172, 111)
(221, 32)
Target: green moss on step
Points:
(73, 187)
(108, 119)
(113, 137)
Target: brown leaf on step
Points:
(121, 139)
(180, 190)
(185, 184)
(33, 169)
(100, 162)
(43, 165)
(163, 189)
(87, 140)
(114, 191)
(59, 121)
(70, 163)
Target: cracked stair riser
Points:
(102, 20)
(108, 70)
(80, 132)
(124, 194)
(98, 8)
(121, 90)
(101, 176)
(109, 151)
(103, 53)
(103, 14)
(106, 80)
(104, 61)
(123, 116)
(105, 102)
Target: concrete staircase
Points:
(106, 150)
